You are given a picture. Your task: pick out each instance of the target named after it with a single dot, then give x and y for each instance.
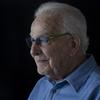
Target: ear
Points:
(75, 45)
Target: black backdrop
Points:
(17, 69)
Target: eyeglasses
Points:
(43, 40)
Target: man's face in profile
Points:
(51, 58)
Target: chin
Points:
(44, 70)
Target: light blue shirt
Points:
(82, 84)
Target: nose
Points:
(35, 50)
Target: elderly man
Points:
(58, 41)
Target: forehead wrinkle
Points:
(37, 30)
(49, 23)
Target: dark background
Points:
(17, 69)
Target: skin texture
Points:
(61, 56)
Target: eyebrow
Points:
(30, 34)
(52, 35)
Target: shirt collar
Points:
(78, 78)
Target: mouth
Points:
(41, 60)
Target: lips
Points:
(41, 59)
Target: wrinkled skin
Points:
(57, 59)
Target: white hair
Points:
(73, 21)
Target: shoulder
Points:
(38, 89)
(96, 75)
(95, 93)
(92, 89)
(41, 82)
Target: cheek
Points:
(55, 57)
(51, 53)
(56, 54)
(59, 55)
(49, 50)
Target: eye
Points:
(29, 41)
(32, 39)
(44, 39)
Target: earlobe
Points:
(75, 45)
